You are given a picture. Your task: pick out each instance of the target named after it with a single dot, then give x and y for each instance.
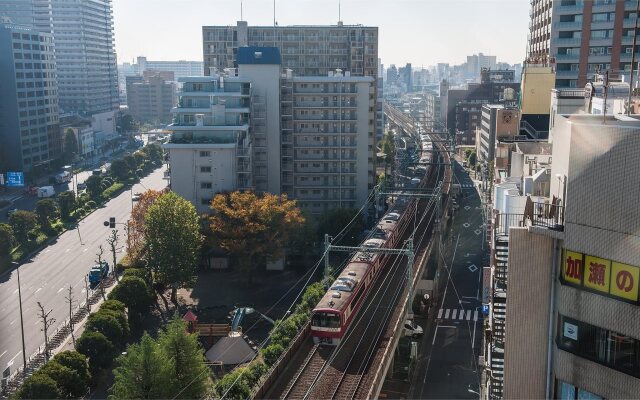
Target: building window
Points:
(566, 391)
(600, 345)
(205, 153)
(205, 185)
(205, 169)
(205, 201)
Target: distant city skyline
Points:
(172, 29)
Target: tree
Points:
(7, 240)
(130, 162)
(112, 241)
(38, 386)
(389, 149)
(70, 146)
(77, 362)
(253, 228)
(134, 293)
(46, 209)
(68, 381)
(107, 323)
(186, 360)
(22, 222)
(97, 348)
(129, 124)
(173, 238)
(234, 385)
(473, 158)
(120, 170)
(135, 236)
(67, 203)
(113, 305)
(142, 373)
(94, 186)
(335, 220)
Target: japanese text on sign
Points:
(617, 279)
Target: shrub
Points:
(68, 381)
(272, 352)
(98, 349)
(107, 323)
(77, 362)
(91, 204)
(38, 386)
(112, 190)
(113, 305)
(234, 385)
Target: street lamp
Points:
(24, 354)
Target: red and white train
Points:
(332, 316)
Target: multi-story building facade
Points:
(582, 37)
(264, 128)
(150, 99)
(566, 266)
(464, 106)
(180, 69)
(29, 117)
(85, 55)
(310, 50)
(498, 123)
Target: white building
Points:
(264, 129)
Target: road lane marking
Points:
(461, 315)
(59, 290)
(468, 315)
(5, 352)
(455, 312)
(440, 313)
(12, 322)
(67, 250)
(475, 315)
(14, 357)
(446, 314)
(39, 289)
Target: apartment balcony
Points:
(319, 145)
(324, 104)
(567, 42)
(323, 157)
(567, 26)
(330, 117)
(548, 215)
(568, 57)
(566, 74)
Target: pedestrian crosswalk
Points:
(467, 185)
(458, 314)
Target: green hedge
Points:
(112, 190)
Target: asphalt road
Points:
(47, 276)
(447, 364)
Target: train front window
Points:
(325, 320)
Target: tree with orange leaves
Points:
(253, 228)
(135, 238)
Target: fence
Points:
(548, 215)
(62, 332)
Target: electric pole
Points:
(69, 299)
(46, 324)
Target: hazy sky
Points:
(422, 32)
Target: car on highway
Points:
(136, 196)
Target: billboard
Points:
(15, 179)
(601, 275)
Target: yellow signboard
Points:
(572, 267)
(596, 273)
(624, 281)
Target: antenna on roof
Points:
(241, 19)
(339, 11)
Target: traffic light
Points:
(112, 222)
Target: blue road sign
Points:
(485, 309)
(15, 179)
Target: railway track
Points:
(343, 372)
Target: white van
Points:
(412, 329)
(46, 191)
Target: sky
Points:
(422, 32)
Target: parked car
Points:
(412, 329)
(98, 272)
(136, 196)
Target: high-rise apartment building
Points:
(29, 119)
(263, 128)
(581, 37)
(310, 50)
(151, 98)
(85, 55)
